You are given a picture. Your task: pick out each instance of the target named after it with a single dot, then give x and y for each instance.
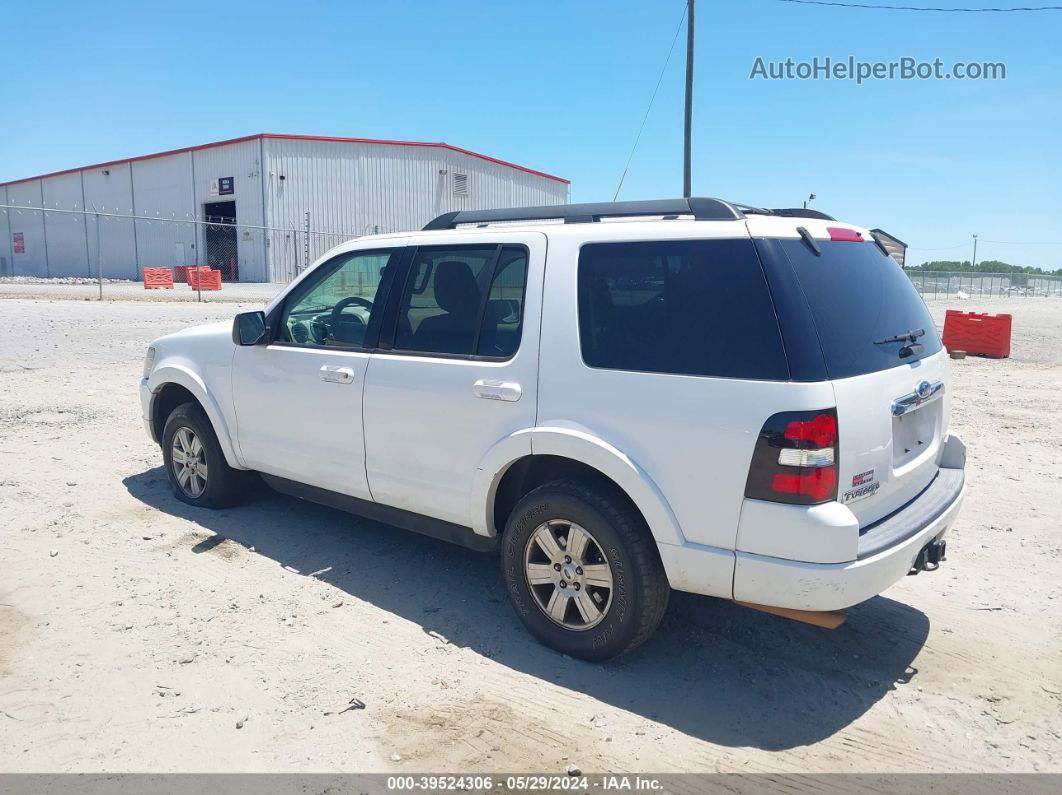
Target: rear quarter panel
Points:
(692, 436)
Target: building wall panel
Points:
(5, 232)
(67, 241)
(349, 189)
(30, 224)
(309, 176)
(162, 188)
(353, 189)
(110, 190)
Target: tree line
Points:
(985, 266)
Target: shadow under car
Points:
(714, 670)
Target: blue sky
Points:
(562, 87)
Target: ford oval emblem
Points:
(923, 390)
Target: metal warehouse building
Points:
(259, 208)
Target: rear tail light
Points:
(795, 459)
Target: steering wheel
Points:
(343, 303)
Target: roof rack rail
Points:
(785, 212)
(701, 209)
(802, 212)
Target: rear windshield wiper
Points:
(910, 336)
(910, 349)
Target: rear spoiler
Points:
(893, 246)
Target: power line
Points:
(1025, 242)
(645, 118)
(994, 242)
(880, 7)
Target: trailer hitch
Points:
(930, 556)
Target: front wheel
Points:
(582, 570)
(195, 464)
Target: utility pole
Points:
(687, 189)
(973, 265)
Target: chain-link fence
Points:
(939, 284)
(114, 243)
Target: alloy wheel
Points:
(568, 574)
(189, 462)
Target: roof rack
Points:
(701, 209)
(785, 212)
(801, 212)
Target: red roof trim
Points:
(246, 138)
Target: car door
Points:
(461, 372)
(298, 399)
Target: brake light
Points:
(821, 430)
(820, 485)
(795, 458)
(843, 234)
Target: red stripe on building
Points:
(282, 136)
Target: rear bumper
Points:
(885, 556)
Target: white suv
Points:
(624, 398)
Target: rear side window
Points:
(463, 301)
(859, 297)
(690, 307)
(499, 333)
(441, 304)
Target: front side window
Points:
(463, 301)
(688, 307)
(335, 309)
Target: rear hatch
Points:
(849, 314)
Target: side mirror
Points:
(249, 328)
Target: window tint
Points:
(458, 300)
(335, 308)
(859, 296)
(503, 317)
(698, 307)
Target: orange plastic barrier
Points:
(204, 278)
(158, 279)
(180, 273)
(977, 334)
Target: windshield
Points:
(859, 297)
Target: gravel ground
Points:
(139, 634)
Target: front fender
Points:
(578, 445)
(172, 373)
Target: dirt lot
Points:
(138, 634)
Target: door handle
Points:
(336, 375)
(497, 390)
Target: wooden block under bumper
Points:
(826, 619)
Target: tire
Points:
(222, 485)
(631, 608)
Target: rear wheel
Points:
(195, 464)
(582, 570)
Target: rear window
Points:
(858, 297)
(691, 307)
